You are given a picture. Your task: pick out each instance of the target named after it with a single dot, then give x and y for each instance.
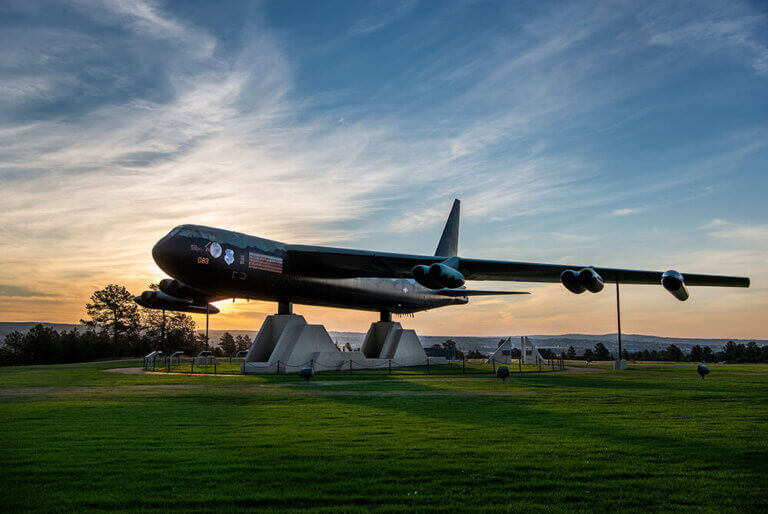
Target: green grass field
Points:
(655, 437)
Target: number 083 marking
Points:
(202, 260)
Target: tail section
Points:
(449, 241)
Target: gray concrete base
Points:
(286, 343)
(620, 364)
(387, 340)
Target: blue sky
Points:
(625, 134)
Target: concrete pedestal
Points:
(620, 364)
(286, 343)
(387, 340)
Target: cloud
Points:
(11, 290)
(383, 14)
(747, 234)
(718, 27)
(626, 211)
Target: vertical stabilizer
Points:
(449, 241)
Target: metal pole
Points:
(350, 366)
(618, 316)
(207, 309)
(464, 365)
(390, 366)
(162, 331)
(494, 365)
(427, 365)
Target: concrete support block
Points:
(286, 343)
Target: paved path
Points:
(126, 371)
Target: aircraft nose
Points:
(162, 251)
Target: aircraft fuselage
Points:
(228, 264)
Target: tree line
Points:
(731, 352)
(117, 327)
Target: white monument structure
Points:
(529, 352)
(503, 354)
(287, 343)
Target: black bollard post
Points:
(350, 366)
(494, 365)
(390, 366)
(427, 365)
(464, 365)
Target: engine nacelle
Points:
(446, 276)
(591, 281)
(570, 280)
(421, 275)
(175, 288)
(161, 300)
(675, 284)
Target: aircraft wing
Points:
(347, 263)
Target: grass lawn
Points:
(655, 437)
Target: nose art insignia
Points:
(229, 256)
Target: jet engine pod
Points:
(446, 276)
(570, 280)
(175, 288)
(591, 281)
(421, 275)
(675, 284)
(161, 300)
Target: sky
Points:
(626, 134)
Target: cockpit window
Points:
(194, 232)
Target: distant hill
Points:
(630, 342)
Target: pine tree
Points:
(227, 344)
(113, 309)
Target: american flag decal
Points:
(265, 262)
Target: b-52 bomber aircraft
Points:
(211, 264)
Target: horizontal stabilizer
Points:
(473, 292)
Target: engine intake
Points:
(675, 284)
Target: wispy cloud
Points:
(383, 14)
(626, 211)
(750, 234)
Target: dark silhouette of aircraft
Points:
(210, 264)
